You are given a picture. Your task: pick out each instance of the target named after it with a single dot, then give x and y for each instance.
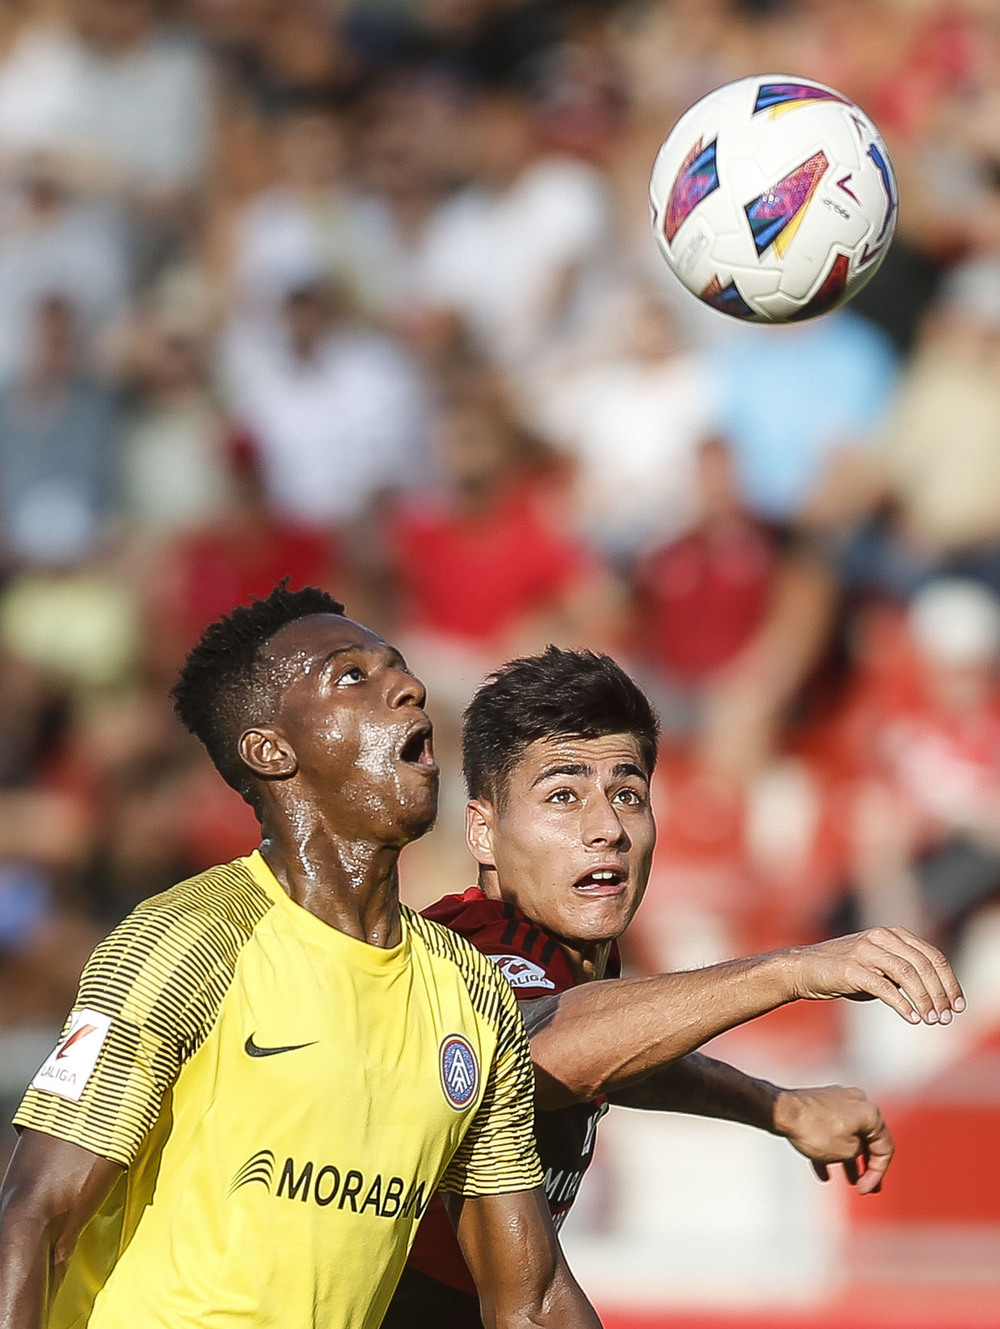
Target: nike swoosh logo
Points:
(253, 1050)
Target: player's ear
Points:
(268, 753)
(479, 823)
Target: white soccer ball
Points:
(774, 199)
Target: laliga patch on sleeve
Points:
(71, 1062)
(521, 973)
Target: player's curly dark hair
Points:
(559, 693)
(224, 686)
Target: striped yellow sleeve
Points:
(498, 1154)
(152, 989)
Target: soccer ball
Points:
(773, 199)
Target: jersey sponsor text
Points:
(323, 1184)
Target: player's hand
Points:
(833, 1125)
(889, 964)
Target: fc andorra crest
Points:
(459, 1071)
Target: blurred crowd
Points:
(363, 293)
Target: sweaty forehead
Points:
(316, 636)
(600, 755)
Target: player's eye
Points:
(561, 796)
(630, 797)
(351, 675)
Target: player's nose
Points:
(406, 689)
(602, 826)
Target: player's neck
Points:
(588, 960)
(350, 885)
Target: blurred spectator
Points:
(77, 622)
(520, 253)
(483, 567)
(922, 733)
(57, 436)
(703, 598)
(277, 51)
(411, 139)
(471, 570)
(175, 472)
(478, 41)
(946, 480)
(47, 829)
(800, 406)
(139, 848)
(310, 223)
(162, 820)
(158, 818)
(43, 942)
(336, 412)
(580, 89)
(632, 422)
(738, 864)
(242, 550)
(675, 53)
(901, 292)
(730, 623)
(51, 239)
(115, 92)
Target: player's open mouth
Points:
(601, 882)
(418, 750)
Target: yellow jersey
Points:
(284, 1099)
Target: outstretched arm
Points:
(827, 1125)
(50, 1192)
(514, 1255)
(603, 1037)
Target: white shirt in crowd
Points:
(498, 257)
(334, 430)
(78, 252)
(634, 430)
(144, 114)
(282, 240)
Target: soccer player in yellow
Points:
(269, 1068)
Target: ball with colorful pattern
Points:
(773, 199)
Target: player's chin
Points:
(418, 804)
(601, 918)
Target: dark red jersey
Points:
(533, 963)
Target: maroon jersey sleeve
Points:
(528, 957)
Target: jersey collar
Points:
(375, 959)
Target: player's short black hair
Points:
(224, 686)
(559, 693)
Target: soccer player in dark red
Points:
(558, 752)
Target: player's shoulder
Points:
(528, 956)
(468, 913)
(208, 917)
(445, 942)
(486, 987)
